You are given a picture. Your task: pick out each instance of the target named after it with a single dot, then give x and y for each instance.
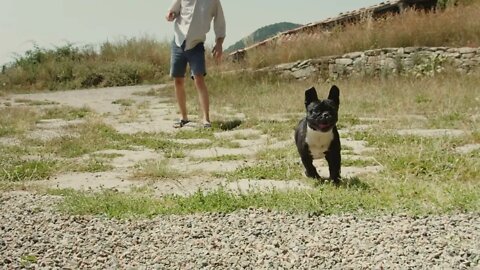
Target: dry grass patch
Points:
(454, 27)
(17, 120)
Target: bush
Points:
(128, 62)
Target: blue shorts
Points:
(194, 57)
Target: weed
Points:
(124, 102)
(17, 169)
(66, 113)
(272, 169)
(154, 169)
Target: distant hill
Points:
(262, 34)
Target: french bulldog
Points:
(316, 135)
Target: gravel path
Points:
(34, 235)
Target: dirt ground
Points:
(157, 115)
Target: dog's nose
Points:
(325, 115)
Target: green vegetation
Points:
(452, 27)
(66, 113)
(420, 175)
(128, 62)
(16, 120)
(154, 169)
(15, 168)
(407, 197)
(124, 102)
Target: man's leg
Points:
(181, 97)
(203, 97)
(196, 58)
(178, 66)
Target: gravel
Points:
(35, 235)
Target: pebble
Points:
(33, 234)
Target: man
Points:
(192, 22)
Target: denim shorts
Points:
(194, 57)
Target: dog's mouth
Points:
(320, 126)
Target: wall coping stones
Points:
(384, 61)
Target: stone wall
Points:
(418, 61)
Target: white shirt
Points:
(193, 20)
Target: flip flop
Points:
(180, 123)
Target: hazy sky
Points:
(50, 23)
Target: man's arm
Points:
(173, 11)
(219, 26)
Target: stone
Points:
(465, 50)
(344, 61)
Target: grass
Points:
(66, 113)
(453, 27)
(421, 175)
(36, 102)
(154, 169)
(17, 170)
(404, 197)
(16, 120)
(271, 170)
(94, 165)
(124, 102)
(126, 62)
(222, 158)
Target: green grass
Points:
(194, 134)
(419, 176)
(368, 198)
(289, 153)
(17, 170)
(16, 120)
(358, 162)
(453, 27)
(66, 113)
(126, 62)
(36, 102)
(26, 260)
(124, 102)
(271, 169)
(156, 170)
(222, 158)
(106, 155)
(93, 165)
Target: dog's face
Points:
(322, 115)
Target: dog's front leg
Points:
(310, 170)
(334, 164)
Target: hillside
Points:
(262, 34)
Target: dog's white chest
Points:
(318, 142)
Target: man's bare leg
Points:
(203, 97)
(181, 97)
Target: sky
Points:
(55, 23)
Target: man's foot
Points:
(180, 123)
(207, 125)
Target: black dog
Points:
(317, 136)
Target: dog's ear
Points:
(334, 95)
(310, 96)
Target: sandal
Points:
(180, 123)
(207, 125)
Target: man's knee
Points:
(200, 81)
(179, 81)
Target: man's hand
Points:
(217, 52)
(170, 16)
